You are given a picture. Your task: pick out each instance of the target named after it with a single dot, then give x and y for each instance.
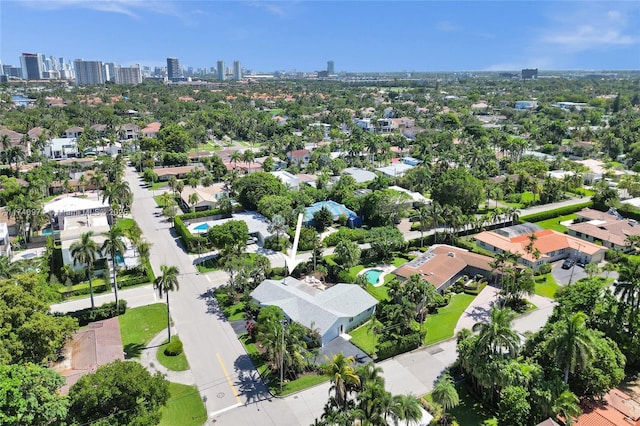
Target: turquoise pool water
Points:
(119, 259)
(373, 276)
(201, 227)
(47, 231)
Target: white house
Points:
(332, 312)
(5, 245)
(301, 157)
(61, 148)
(289, 180)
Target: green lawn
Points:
(440, 326)
(234, 312)
(139, 325)
(554, 223)
(362, 337)
(173, 363)
(469, 412)
(380, 292)
(302, 383)
(125, 224)
(184, 408)
(546, 286)
(159, 185)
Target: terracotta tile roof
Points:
(15, 137)
(547, 242)
(298, 153)
(443, 262)
(169, 171)
(35, 132)
(624, 404)
(152, 127)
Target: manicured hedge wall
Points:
(549, 214)
(105, 311)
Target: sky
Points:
(357, 35)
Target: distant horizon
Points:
(360, 37)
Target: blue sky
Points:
(303, 35)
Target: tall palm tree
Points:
(405, 408)
(497, 335)
(342, 374)
(436, 213)
(628, 287)
(144, 249)
(113, 246)
(193, 200)
(85, 251)
(445, 394)
(278, 226)
(165, 283)
(423, 216)
(235, 157)
(571, 344)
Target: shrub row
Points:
(99, 286)
(561, 211)
(174, 348)
(105, 311)
(190, 241)
(357, 234)
(392, 348)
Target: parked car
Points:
(568, 263)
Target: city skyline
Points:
(370, 36)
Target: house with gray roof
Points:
(360, 175)
(332, 312)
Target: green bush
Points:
(357, 234)
(549, 214)
(543, 269)
(392, 347)
(174, 348)
(81, 289)
(277, 272)
(105, 311)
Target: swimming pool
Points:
(373, 276)
(201, 227)
(47, 231)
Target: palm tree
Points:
(342, 374)
(173, 184)
(445, 394)
(571, 344)
(405, 408)
(85, 251)
(423, 216)
(166, 198)
(144, 249)
(165, 283)
(568, 406)
(628, 287)
(99, 180)
(193, 200)
(235, 157)
(436, 213)
(278, 225)
(113, 246)
(497, 334)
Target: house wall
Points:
(607, 244)
(346, 324)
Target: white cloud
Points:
(447, 26)
(132, 8)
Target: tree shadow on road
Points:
(249, 382)
(213, 307)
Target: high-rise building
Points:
(220, 70)
(88, 72)
(128, 75)
(173, 69)
(530, 73)
(110, 72)
(331, 68)
(237, 71)
(32, 66)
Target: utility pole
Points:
(574, 264)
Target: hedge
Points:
(105, 311)
(357, 235)
(100, 286)
(561, 211)
(392, 348)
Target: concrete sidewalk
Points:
(149, 360)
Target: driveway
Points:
(338, 345)
(565, 276)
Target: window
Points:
(351, 319)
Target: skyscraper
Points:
(237, 71)
(220, 70)
(330, 68)
(128, 75)
(173, 69)
(88, 72)
(32, 66)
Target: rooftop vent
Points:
(451, 254)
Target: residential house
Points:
(526, 105)
(360, 175)
(550, 245)
(289, 180)
(442, 265)
(73, 132)
(129, 131)
(164, 173)
(152, 129)
(16, 139)
(396, 169)
(331, 312)
(100, 129)
(416, 197)
(615, 409)
(609, 228)
(300, 157)
(58, 148)
(208, 196)
(257, 224)
(336, 210)
(5, 244)
(307, 179)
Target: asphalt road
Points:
(217, 359)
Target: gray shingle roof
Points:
(311, 307)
